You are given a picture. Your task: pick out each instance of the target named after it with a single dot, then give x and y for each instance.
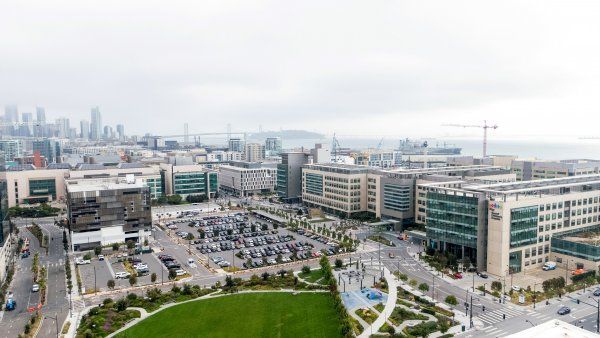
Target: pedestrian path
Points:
(497, 316)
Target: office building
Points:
(189, 180)
(289, 175)
(106, 211)
(321, 153)
(26, 129)
(247, 178)
(11, 149)
(11, 114)
(96, 124)
(540, 169)
(40, 113)
(377, 158)
(147, 175)
(236, 144)
(273, 146)
(6, 243)
(254, 152)
(25, 185)
(84, 127)
(50, 149)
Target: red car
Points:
(458, 275)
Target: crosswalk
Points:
(491, 331)
(540, 317)
(497, 316)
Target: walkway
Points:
(389, 305)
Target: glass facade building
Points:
(452, 219)
(42, 187)
(314, 184)
(523, 226)
(396, 197)
(585, 250)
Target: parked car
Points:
(180, 272)
(81, 261)
(35, 288)
(577, 272)
(100, 257)
(458, 275)
(482, 275)
(563, 310)
(122, 275)
(597, 292)
(516, 288)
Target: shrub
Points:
(451, 300)
(339, 263)
(496, 285)
(111, 284)
(413, 283)
(153, 277)
(423, 287)
(306, 269)
(98, 250)
(403, 277)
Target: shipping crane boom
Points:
(485, 128)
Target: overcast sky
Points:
(354, 67)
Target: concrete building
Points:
(247, 178)
(34, 186)
(254, 152)
(321, 153)
(189, 180)
(540, 169)
(120, 132)
(289, 175)
(106, 211)
(11, 149)
(6, 243)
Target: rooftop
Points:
(554, 329)
(81, 185)
(541, 185)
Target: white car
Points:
(516, 288)
(100, 257)
(81, 261)
(180, 272)
(140, 266)
(35, 288)
(123, 274)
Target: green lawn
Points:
(313, 276)
(245, 315)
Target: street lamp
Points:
(528, 321)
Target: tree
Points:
(130, 244)
(115, 246)
(202, 233)
(229, 282)
(111, 284)
(153, 277)
(172, 274)
(98, 250)
(132, 280)
(423, 287)
(153, 294)
(403, 277)
(496, 285)
(306, 269)
(451, 300)
(282, 273)
(87, 256)
(339, 263)
(65, 240)
(265, 275)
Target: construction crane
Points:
(380, 144)
(485, 127)
(335, 148)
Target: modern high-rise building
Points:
(106, 211)
(50, 149)
(189, 180)
(11, 149)
(27, 127)
(289, 175)
(120, 132)
(85, 129)
(108, 133)
(273, 146)
(236, 144)
(96, 124)
(254, 152)
(6, 249)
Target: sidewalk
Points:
(389, 305)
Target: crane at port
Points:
(335, 148)
(485, 128)
(380, 144)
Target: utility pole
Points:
(95, 288)
(433, 289)
(471, 314)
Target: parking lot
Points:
(247, 241)
(99, 272)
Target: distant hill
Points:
(288, 134)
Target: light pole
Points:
(433, 288)
(528, 321)
(534, 294)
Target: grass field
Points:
(245, 315)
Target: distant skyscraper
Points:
(121, 132)
(27, 128)
(254, 152)
(11, 113)
(47, 148)
(64, 127)
(108, 132)
(96, 124)
(236, 144)
(41, 115)
(85, 129)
